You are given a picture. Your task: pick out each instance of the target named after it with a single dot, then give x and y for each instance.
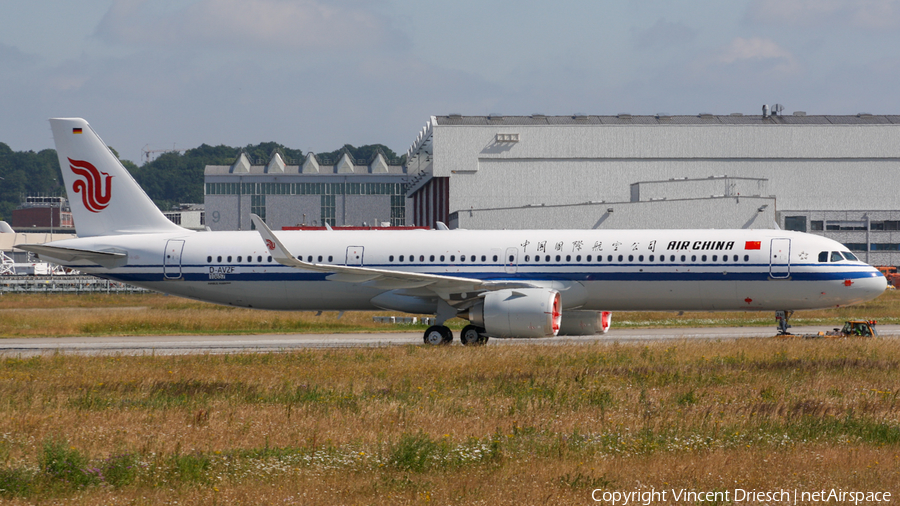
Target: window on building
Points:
(816, 225)
(885, 246)
(796, 223)
(398, 210)
(258, 206)
(845, 225)
(328, 207)
(853, 246)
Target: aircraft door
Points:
(780, 259)
(511, 260)
(354, 256)
(172, 259)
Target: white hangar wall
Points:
(506, 172)
(808, 167)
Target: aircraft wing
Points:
(107, 259)
(387, 279)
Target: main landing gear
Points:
(441, 335)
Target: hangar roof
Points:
(662, 119)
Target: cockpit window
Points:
(836, 256)
(823, 256)
(850, 256)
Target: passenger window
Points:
(473, 258)
(693, 258)
(495, 258)
(320, 258)
(209, 259)
(823, 256)
(588, 258)
(703, 258)
(568, 258)
(557, 258)
(631, 258)
(442, 258)
(620, 258)
(746, 258)
(609, 258)
(269, 259)
(219, 259)
(547, 258)
(483, 258)
(240, 258)
(401, 258)
(330, 258)
(512, 258)
(651, 258)
(391, 258)
(229, 258)
(527, 258)
(308, 259)
(715, 257)
(671, 258)
(736, 258)
(578, 258)
(462, 258)
(836, 256)
(250, 259)
(683, 258)
(641, 258)
(431, 258)
(412, 258)
(452, 258)
(421, 258)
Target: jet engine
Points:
(528, 312)
(585, 323)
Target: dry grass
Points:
(493, 425)
(54, 315)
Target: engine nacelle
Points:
(527, 312)
(585, 323)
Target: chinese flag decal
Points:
(752, 245)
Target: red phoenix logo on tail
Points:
(93, 194)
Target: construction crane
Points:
(146, 153)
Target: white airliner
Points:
(513, 283)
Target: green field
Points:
(55, 315)
(450, 425)
(446, 425)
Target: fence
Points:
(64, 284)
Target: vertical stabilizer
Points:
(105, 199)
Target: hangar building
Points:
(829, 175)
(347, 192)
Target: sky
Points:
(317, 74)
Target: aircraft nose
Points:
(873, 285)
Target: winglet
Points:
(278, 250)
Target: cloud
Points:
(754, 48)
(12, 58)
(662, 34)
(868, 14)
(272, 25)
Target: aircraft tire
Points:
(437, 335)
(472, 336)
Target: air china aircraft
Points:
(512, 283)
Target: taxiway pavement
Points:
(183, 345)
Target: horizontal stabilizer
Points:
(108, 259)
